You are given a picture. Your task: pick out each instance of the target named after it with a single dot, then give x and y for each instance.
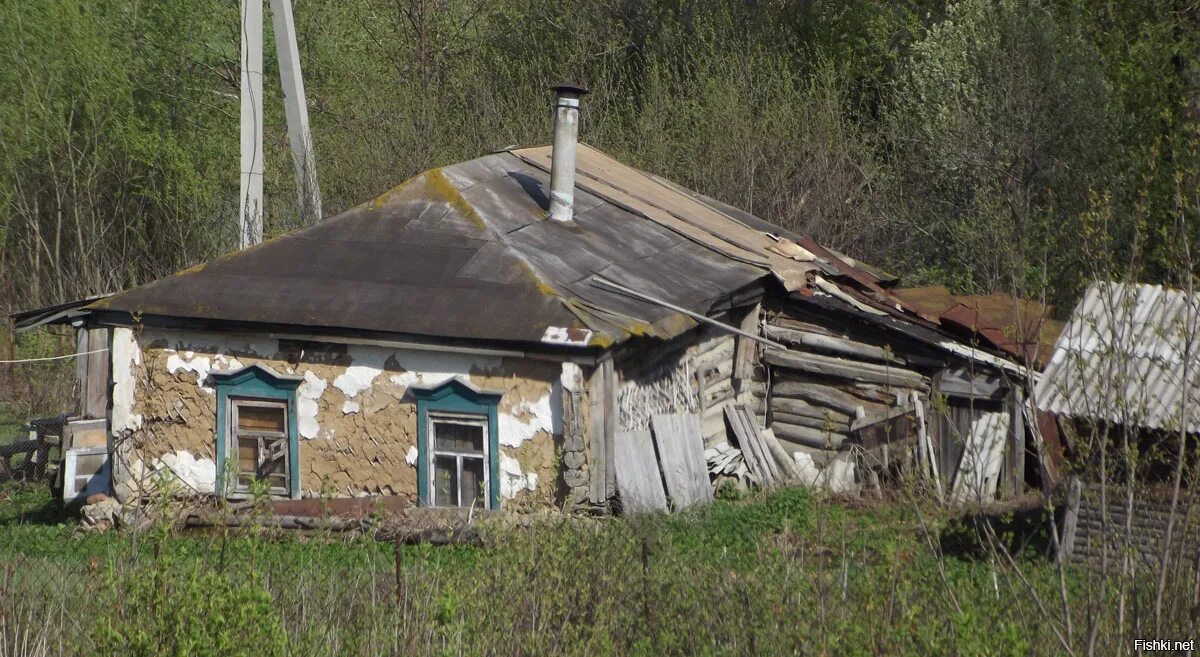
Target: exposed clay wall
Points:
(358, 430)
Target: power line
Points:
(36, 360)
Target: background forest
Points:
(1024, 145)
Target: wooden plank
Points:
(761, 451)
(845, 369)
(1014, 455)
(597, 434)
(95, 389)
(746, 356)
(1066, 544)
(979, 470)
(827, 343)
(882, 455)
(681, 455)
(81, 368)
(745, 439)
(609, 381)
(638, 480)
(809, 436)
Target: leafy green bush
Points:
(180, 608)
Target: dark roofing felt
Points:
(463, 251)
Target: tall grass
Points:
(777, 574)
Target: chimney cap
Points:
(570, 87)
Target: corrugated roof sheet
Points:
(466, 251)
(1130, 355)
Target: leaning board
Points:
(681, 453)
(638, 480)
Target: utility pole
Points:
(290, 78)
(251, 189)
(250, 211)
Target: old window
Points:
(257, 437)
(458, 445)
(459, 460)
(260, 439)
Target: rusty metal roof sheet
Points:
(1019, 327)
(1129, 355)
(465, 251)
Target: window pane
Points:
(247, 459)
(261, 418)
(445, 480)
(458, 437)
(89, 464)
(472, 482)
(273, 465)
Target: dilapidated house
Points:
(540, 327)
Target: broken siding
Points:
(357, 426)
(692, 374)
(835, 389)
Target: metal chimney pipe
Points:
(562, 155)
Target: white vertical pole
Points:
(292, 80)
(251, 206)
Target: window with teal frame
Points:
(457, 445)
(257, 437)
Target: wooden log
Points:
(795, 324)
(806, 421)
(820, 395)
(846, 369)
(787, 465)
(828, 343)
(809, 436)
(718, 391)
(879, 417)
(821, 457)
(716, 347)
(716, 365)
(797, 407)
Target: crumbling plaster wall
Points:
(357, 425)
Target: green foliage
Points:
(184, 608)
(778, 574)
(969, 143)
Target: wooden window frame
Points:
(456, 397)
(256, 382)
(473, 420)
(236, 489)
